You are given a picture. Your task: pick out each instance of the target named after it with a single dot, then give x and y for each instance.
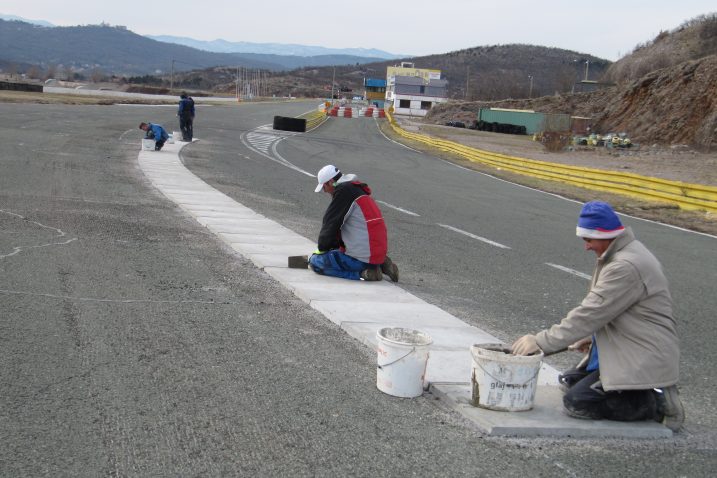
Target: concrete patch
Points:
(546, 419)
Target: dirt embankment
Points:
(675, 105)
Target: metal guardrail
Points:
(685, 195)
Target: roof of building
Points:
(374, 82)
(409, 80)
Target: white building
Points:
(414, 96)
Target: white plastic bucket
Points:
(148, 144)
(503, 381)
(402, 356)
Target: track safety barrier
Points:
(314, 118)
(688, 196)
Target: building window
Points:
(425, 105)
(404, 103)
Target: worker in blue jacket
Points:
(155, 132)
(186, 117)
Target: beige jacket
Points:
(629, 309)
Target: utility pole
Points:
(468, 68)
(237, 83)
(171, 83)
(587, 65)
(333, 80)
(530, 92)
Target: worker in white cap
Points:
(626, 327)
(353, 241)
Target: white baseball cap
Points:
(326, 174)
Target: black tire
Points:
(285, 123)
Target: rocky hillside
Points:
(672, 105)
(694, 39)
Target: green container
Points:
(533, 122)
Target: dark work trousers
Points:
(186, 124)
(587, 398)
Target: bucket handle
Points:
(398, 359)
(499, 380)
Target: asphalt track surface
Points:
(133, 343)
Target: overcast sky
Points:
(607, 29)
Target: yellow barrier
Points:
(314, 118)
(687, 196)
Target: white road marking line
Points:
(19, 249)
(574, 201)
(405, 211)
(123, 134)
(569, 270)
(265, 145)
(479, 238)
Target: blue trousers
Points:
(337, 264)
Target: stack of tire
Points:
(285, 123)
(500, 127)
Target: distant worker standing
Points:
(353, 240)
(155, 132)
(625, 325)
(186, 117)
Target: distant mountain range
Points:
(486, 72)
(224, 46)
(273, 56)
(13, 18)
(116, 50)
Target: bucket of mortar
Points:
(402, 357)
(148, 144)
(503, 381)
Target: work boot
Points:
(390, 269)
(669, 407)
(573, 412)
(372, 274)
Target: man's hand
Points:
(525, 345)
(582, 345)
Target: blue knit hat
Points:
(598, 221)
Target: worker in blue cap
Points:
(624, 325)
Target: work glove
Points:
(525, 345)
